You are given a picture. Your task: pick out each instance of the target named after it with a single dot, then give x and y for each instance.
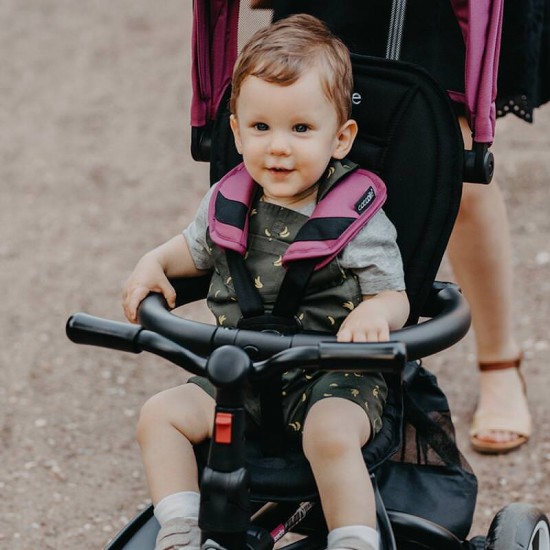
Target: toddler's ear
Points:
(235, 127)
(345, 138)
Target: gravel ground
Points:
(95, 168)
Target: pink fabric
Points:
(240, 189)
(342, 203)
(215, 34)
(481, 24)
(214, 52)
(238, 186)
(230, 237)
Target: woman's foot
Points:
(502, 421)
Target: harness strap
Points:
(283, 316)
(249, 299)
(343, 209)
(283, 319)
(293, 287)
(271, 408)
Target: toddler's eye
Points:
(300, 128)
(261, 126)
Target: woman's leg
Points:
(170, 423)
(480, 253)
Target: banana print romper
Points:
(331, 294)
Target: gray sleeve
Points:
(195, 235)
(373, 255)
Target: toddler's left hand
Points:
(366, 323)
(374, 317)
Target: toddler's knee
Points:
(186, 409)
(152, 414)
(326, 441)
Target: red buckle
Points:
(223, 427)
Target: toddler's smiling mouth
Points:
(279, 169)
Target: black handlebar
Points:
(447, 308)
(186, 343)
(387, 357)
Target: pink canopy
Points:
(481, 24)
(215, 32)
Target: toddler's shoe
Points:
(179, 533)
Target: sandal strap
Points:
(500, 365)
(484, 422)
(505, 365)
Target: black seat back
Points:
(409, 135)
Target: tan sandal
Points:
(507, 422)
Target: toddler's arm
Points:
(374, 317)
(171, 259)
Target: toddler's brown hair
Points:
(282, 52)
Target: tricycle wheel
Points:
(519, 527)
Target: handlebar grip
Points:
(82, 328)
(387, 357)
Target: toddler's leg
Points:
(170, 424)
(334, 432)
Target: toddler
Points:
(291, 106)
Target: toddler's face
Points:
(287, 136)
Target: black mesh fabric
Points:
(428, 476)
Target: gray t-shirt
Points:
(373, 254)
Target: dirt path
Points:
(95, 169)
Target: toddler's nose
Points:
(279, 144)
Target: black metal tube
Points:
(449, 312)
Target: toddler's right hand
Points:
(148, 276)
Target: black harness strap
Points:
(293, 287)
(272, 434)
(248, 297)
(283, 319)
(288, 300)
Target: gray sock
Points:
(354, 537)
(184, 504)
